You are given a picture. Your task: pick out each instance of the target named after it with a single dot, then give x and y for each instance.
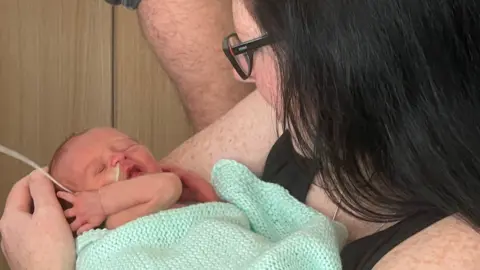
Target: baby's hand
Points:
(87, 210)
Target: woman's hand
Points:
(38, 240)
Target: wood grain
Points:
(55, 77)
(147, 106)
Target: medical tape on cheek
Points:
(11, 153)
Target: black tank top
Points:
(282, 168)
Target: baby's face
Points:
(89, 160)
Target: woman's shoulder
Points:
(448, 244)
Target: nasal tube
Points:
(117, 172)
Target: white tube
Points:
(24, 159)
(117, 172)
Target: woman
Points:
(382, 97)
(380, 101)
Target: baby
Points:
(115, 180)
(156, 219)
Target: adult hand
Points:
(38, 240)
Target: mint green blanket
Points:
(261, 227)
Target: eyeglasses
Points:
(241, 54)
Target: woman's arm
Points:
(245, 134)
(448, 244)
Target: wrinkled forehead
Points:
(79, 149)
(90, 144)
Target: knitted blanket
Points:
(260, 226)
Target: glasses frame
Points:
(248, 47)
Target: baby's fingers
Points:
(66, 196)
(84, 228)
(69, 213)
(77, 224)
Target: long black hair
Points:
(385, 96)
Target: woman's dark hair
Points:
(385, 95)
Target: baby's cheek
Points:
(98, 182)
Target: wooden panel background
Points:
(147, 106)
(55, 77)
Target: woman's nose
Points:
(116, 158)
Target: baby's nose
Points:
(116, 158)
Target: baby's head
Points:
(88, 160)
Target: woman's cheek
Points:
(267, 81)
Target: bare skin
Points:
(39, 240)
(448, 244)
(122, 202)
(208, 90)
(231, 137)
(88, 163)
(125, 201)
(429, 252)
(192, 55)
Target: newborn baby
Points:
(150, 222)
(255, 225)
(115, 180)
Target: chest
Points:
(318, 199)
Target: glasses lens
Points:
(243, 59)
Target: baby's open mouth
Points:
(134, 171)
